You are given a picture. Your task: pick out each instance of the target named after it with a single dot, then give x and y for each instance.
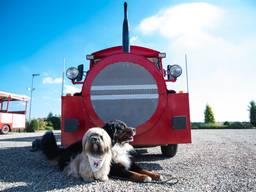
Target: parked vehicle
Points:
(128, 83)
(13, 109)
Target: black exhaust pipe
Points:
(126, 42)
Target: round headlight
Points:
(72, 73)
(175, 71)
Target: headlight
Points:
(72, 73)
(175, 71)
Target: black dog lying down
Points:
(122, 166)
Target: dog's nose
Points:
(94, 139)
(133, 130)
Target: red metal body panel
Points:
(135, 50)
(131, 58)
(163, 132)
(72, 107)
(157, 130)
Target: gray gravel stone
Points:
(217, 160)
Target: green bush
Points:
(33, 126)
(225, 125)
(42, 124)
(208, 126)
(240, 125)
(247, 125)
(56, 123)
(54, 120)
(48, 128)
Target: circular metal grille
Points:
(124, 91)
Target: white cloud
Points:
(220, 66)
(187, 21)
(52, 80)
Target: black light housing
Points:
(81, 72)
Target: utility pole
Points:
(31, 94)
(186, 64)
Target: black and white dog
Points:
(123, 164)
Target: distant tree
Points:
(208, 115)
(54, 121)
(252, 110)
(50, 115)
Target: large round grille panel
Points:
(124, 91)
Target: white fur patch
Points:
(120, 154)
(96, 162)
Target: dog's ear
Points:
(108, 127)
(119, 124)
(85, 140)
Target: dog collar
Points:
(96, 162)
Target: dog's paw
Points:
(147, 179)
(105, 178)
(157, 177)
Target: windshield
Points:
(13, 107)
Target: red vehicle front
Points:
(128, 83)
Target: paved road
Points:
(218, 160)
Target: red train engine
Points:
(128, 83)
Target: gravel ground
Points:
(217, 160)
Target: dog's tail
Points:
(49, 146)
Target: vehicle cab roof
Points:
(137, 50)
(5, 96)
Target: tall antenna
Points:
(63, 72)
(126, 43)
(186, 63)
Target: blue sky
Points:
(218, 37)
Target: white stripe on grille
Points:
(122, 87)
(121, 97)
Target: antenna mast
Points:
(186, 63)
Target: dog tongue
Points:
(96, 162)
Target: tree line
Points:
(209, 119)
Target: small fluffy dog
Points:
(94, 161)
(122, 165)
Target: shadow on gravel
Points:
(150, 157)
(144, 155)
(22, 170)
(28, 139)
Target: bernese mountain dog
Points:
(123, 165)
